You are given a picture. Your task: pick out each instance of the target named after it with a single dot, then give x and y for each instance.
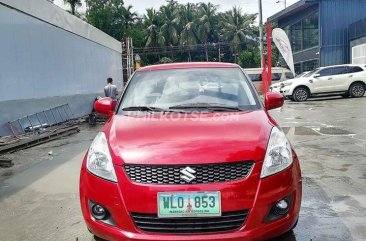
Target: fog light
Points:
(279, 209)
(98, 212)
(282, 204)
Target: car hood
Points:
(287, 81)
(189, 139)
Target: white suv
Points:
(345, 80)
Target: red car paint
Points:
(190, 141)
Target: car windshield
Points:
(310, 73)
(189, 89)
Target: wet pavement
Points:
(39, 195)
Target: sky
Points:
(270, 7)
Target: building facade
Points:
(357, 36)
(319, 30)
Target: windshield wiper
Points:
(207, 106)
(146, 108)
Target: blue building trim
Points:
(335, 18)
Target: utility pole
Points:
(260, 31)
(129, 57)
(284, 1)
(219, 53)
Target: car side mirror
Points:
(316, 75)
(273, 100)
(104, 106)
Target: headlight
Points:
(278, 155)
(286, 84)
(99, 161)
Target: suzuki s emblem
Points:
(187, 174)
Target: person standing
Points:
(110, 90)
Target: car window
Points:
(172, 87)
(325, 72)
(289, 75)
(276, 76)
(354, 69)
(310, 73)
(255, 77)
(339, 70)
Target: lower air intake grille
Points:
(227, 222)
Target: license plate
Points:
(189, 204)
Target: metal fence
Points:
(40, 122)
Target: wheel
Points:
(300, 94)
(357, 90)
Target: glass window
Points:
(289, 75)
(310, 73)
(276, 76)
(354, 69)
(305, 33)
(325, 72)
(166, 88)
(298, 69)
(296, 37)
(310, 65)
(310, 30)
(255, 77)
(340, 70)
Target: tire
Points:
(300, 94)
(357, 90)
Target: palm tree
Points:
(207, 30)
(237, 27)
(129, 17)
(73, 5)
(188, 35)
(151, 20)
(168, 32)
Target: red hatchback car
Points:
(190, 153)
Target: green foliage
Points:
(237, 27)
(136, 34)
(176, 30)
(165, 60)
(249, 58)
(110, 16)
(74, 4)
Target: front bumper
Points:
(252, 193)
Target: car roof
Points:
(188, 65)
(342, 65)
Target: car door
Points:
(323, 81)
(354, 73)
(340, 78)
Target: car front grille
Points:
(204, 173)
(227, 222)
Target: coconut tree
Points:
(189, 23)
(129, 17)
(236, 27)
(168, 32)
(152, 23)
(207, 29)
(73, 5)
